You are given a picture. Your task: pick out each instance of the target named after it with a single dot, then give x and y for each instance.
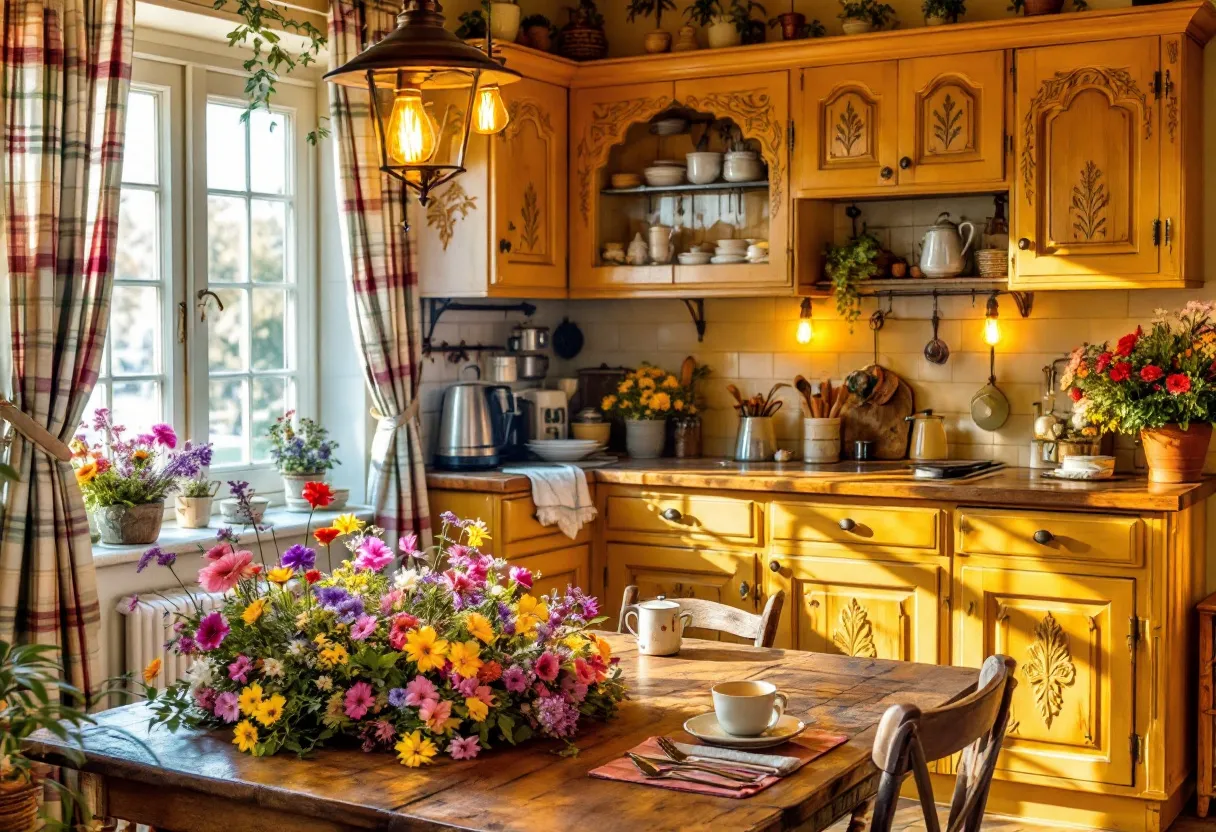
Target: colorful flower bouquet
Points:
(451, 652)
(1160, 384)
(645, 398)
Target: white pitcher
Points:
(660, 626)
(942, 250)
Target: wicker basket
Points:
(19, 806)
(583, 43)
(992, 262)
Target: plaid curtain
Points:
(384, 305)
(66, 73)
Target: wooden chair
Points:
(710, 615)
(908, 738)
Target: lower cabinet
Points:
(865, 608)
(558, 569)
(725, 577)
(1073, 639)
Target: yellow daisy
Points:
(465, 657)
(479, 627)
(348, 524)
(425, 649)
(254, 611)
(529, 612)
(333, 656)
(415, 750)
(478, 710)
(477, 533)
(270, 710)
(250, 699)
(245, 736)
(279, 575)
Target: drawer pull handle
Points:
(744, 590)
(671, 514)
(1043, 537)
(774, 566)
(848, 524)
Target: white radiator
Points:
(150, 625)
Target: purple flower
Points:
(299, 557)
(373, 554)
(239, 489)
(187, 646)
(133, 604)
(227, 707)
(452, 520)
(166, 558)
(238, 671)
(546, 666)
(364, 627)
(226, 534)
(164, 435)
(557, 717)
(420, 690)
(396, 697)
(521, 576)
(463, 749)
(350, 609)
(205, 698)
(145, 560)
(515, 679)
(212, 631)
(331, 596)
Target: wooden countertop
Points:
(1009, 486)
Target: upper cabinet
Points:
(919, 125)
(499, 229)
(1101, 141)
(741, 124)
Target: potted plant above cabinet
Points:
(938, 12)
(657, 40)
(504, 20)
(861, 16)
(1030, 8)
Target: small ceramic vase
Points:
(638, 252)
(657, 42)
(686, 40)
(722, 33)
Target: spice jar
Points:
(687, 437)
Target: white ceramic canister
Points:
(821, 440)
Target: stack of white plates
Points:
(757, 251)
(564, 450)
(664, 173)
(730, 251)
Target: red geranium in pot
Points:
(1160, 384)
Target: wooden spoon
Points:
(734, 391)
(686, 370)
(804, 387)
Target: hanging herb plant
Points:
(270, 60)
(847, 266)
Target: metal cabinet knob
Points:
(774, 566)
(1043, 537)
(905, 162)
(1024, 244)
(671, 514)
(848, 524)
(886, 172)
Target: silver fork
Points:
(676, 755)
(720, 772)
(652, 772)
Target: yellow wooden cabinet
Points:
(1099, 200)
(558, 568)
(919, 125)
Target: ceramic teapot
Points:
(943, 250)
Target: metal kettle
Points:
(474, 426)
(943, 251)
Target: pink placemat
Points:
(804, 748)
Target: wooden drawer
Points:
(674, 513)
(852, 525)
(1102, 538)
(522, 534)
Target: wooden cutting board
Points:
(882, 424)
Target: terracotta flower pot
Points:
(1174, 454)
(792, 25)
(1034, 7)
(657, 42)
(19, 805)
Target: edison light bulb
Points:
(411, 129)
(992, 332)
(490, 115)
(805, 332)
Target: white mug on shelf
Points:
(659, 626)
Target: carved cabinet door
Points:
(528, 171)
(848, 114)
(724, 577)
(1088, 163)
(952, 119)
(1073, 713)
(560, 568)
(859, 607)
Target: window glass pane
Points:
(269, 403)
(138, 227)
(268, 240)
(225, 147)
(139, 154)
(134, 330)
(227, 422)
(226, 332)
(268, 350)
(267, 152)
(137, 404)
(227, 241)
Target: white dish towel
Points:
(561, 495)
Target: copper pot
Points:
(793, 25)
(1030, 8)
(1174, 454)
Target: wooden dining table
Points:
(199, 782)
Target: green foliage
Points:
(198, 486)
(303, 449)
(847, 266)
(812, 29)
(1148, 379)
(647, 8)
(701, 12)
(872, 10)
(950, 10)
(472, 25)
(740, 13)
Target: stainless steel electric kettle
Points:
(474, 426)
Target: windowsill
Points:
(182, 541)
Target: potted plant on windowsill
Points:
(193, 504)
(1158, 384)
(302, 455)
(847, 266)
(938, 12)
(657, 40)
(860, 16)
(125, 481)
(645, 398)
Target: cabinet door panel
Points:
(1088, 158)
(849, 126)
(529, 174)
(1073, 709)
(558, 569)
(859, 607)
(952, 119)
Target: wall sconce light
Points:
(805, 331)
(992, 326)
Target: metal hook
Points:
(202, 296)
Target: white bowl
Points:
(724, 259)
(667, 163)
(742, 166)
(704, 167)
(694, 258)
(732, 246)
(564, 450)
(663, 177)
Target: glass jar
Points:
(687, 437)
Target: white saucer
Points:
(706, 728)
(1082, 476)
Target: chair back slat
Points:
(710, 615)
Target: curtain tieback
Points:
(391, 424)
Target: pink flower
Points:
(420, 691)
(408, 544)
(164, 435)
(373, 555)
(358, 700)
(584, 672)
(464, 749)
(227, 706)
(226, 572)
(212, 631)
(363, 627)
(521, 576)
(238, 671)
(205, 698)
(457, 582)
(390, 600)
(483, 693)
(218, 551)
(402, 623)
(467, 687)
(546, 667)
(435, 712)
(515, 679)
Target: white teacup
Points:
(748, 709)
(660, 626)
